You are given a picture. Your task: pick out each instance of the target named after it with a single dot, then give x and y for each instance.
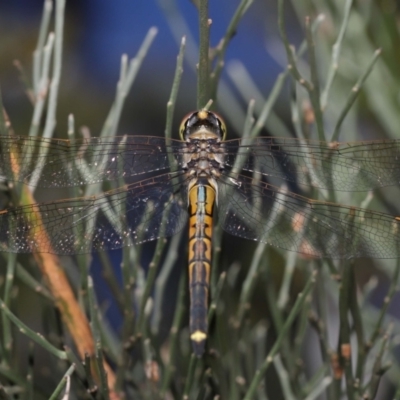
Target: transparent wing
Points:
(136, 213)
(84, 161)
(343, 166)
(265, 213)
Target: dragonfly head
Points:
(202, 121)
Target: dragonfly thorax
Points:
(203, 133)
(204, 157)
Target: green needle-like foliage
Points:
(281, 325)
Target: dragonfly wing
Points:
(64, 163)
(262, 212)
(356, 166)
(136, 213)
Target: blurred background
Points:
(98, 32)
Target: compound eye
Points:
(183, 125)
(222, 125)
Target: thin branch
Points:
(203, 75)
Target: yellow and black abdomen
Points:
(201, 204)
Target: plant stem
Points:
(203, 71)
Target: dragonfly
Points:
(190, 181)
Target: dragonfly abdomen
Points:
(201, 204)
